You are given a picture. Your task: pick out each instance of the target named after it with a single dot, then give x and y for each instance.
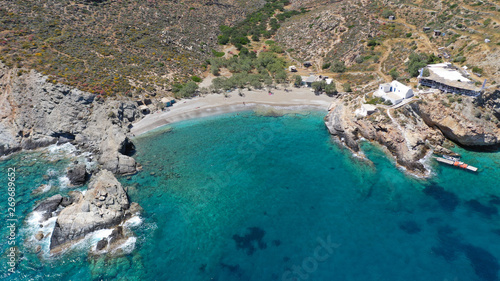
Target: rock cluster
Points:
(104, 205)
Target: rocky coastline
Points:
(417, 129)
(35, 113)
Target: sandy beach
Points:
(214, 104)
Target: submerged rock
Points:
(104, 205)
(39, 235)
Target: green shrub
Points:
(372, 42)
(218, 54)
(196, 79)
(394, 74)
(347, 87)
(326, 65)
(338, 66)
(476, 69)
(387, 13)
(223, 39)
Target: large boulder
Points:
(77, 175)
(104, 205)
(48, 206)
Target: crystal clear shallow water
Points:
(246, 197)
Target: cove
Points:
(243, 196)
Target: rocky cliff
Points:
(35, 113)
(104, 205)
(412, 131)
(462, 122)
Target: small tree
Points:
(318, 86)
(189, 89)
(280, 76)
(347, 87)
(426, 72)
(416, 62)
(297, 81)
(338, 66)
(331, 89)
(394, 73)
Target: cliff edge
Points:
(35, 113)
(414, 130)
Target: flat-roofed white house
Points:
(395, 92)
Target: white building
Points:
(450, 79)
(365, 110)
(395, 92)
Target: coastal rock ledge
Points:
(417, 129)
(104, 205)
(36, 113)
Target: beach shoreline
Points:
(216, 104)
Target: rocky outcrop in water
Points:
(35, 113)
(104, 205)
(413, 130)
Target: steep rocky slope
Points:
(35, 113)
(462, 122)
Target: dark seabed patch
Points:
(447, 200)
(233, 269)
(410, 227)
(484, 210)
(250, 241)
(449, 243)
(484, 263)
(434, 220)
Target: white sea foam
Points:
(34, 224)
(128, 246)
(34, 219)
(63, 182)
(51, 172)
(132, 222)
(66, 148)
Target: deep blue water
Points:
(248, 197)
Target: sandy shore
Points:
(214, 104)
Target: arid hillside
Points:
(115, 46)
(125, 47)
(364, 42)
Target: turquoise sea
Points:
(243, 196)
